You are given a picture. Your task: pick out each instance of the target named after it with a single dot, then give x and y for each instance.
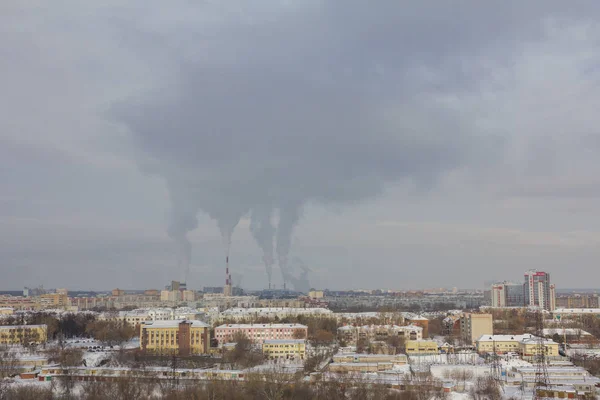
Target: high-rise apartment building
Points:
(498, 295)
(538, 291)
(507, 294)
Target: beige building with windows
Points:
(258, 333)
(182, 337)
(23, 334)
(473, 326)
(287, 349)
(351, 334)
(525, 345)
(421, 347)
(532, 346)
(7, 310)
(57, 300)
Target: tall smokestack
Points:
(228, 282)
(227, 276)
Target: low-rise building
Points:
(351, 334)
(421, 347)
(287, 349)
(532, 346)
(571, 379)
(258, 333)
(500, 344)
(239, 314)
(355, 363)
(395, 359)
(182, 337)
(6, 310)
(23, 334)
(526, 345)
(316, 294)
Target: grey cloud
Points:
(272, 109)
(289, 122)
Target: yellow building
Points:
(525, 345)
(287, 349)
(56, 299)
(23, 334)
(416, 347)
(7, 311)
(182, 337)
(472, 326)
(532, 346)
(316, 294)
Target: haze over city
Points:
(407, 145)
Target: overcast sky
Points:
(381, 144)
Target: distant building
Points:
(118, 292)
(316, 294)
(526, 345)
(351, 334)
(286, 349)
(170, 295)
(250, 314)
(58, 300)
(213, 289)
(472, 326)
(355, 363)
(188, 295)
(421, 347)
(539, 291)
(507, 294)
(7, 310)
(258, 333)
(183, 337)
(500, 344)
(578, 301)
(419, 320)
(23, 334)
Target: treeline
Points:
(76, 325)
(267, 386)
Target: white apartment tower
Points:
(538, 291)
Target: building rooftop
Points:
(365, 356)
(258, 326)
(175, 323)
(22, 326)
(284, 341)
(535, 340)
(504, 338)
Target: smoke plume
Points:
(264, 115)
(263, 231)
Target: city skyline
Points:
(356, 146)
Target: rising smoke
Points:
(263, 231)
(267, 116)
